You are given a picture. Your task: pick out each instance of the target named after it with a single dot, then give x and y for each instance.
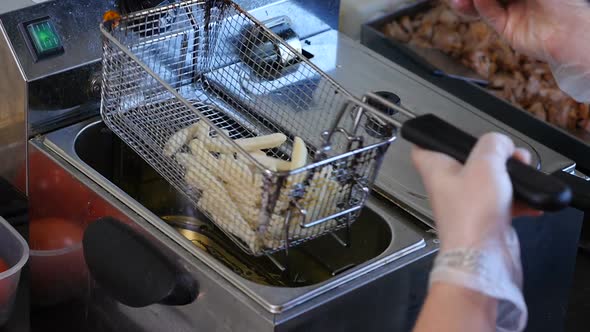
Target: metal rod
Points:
(342, 269)
(339, 240)
(334, 216)
(276, 263)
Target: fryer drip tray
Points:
(307, 264)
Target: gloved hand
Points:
(473, 208)
(551, 30)
(473, 203)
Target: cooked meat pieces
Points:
(538, 110)
(396, 31)
(523, 81)
(406, 23)
(582, 116)
(447, 38)
(552, 94)
(500, 81)
(533, 85)
(448, 17)
(481, 62)
(425, 31)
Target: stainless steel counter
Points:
(10, 5)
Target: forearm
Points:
(476, 279)
(450, 308)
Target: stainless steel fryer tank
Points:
(225, 294)
(321, 265)
(313, 263)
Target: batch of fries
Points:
(235, 193)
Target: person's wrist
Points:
(450, 289)
(494, 271)
(451, 244)
(473, 233)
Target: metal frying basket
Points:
(182, 82)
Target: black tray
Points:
(575, 146)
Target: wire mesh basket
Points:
(265, 144)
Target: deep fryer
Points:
(376, 283)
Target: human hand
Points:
(472, 204)
(549, 30)
(473, 207)
(533, 27)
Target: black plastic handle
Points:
(536, 189)
(580, 188)
(131, 269)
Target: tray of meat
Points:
(419, 29)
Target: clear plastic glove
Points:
(473, 208)
(551, 30)
(473, 203)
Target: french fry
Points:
(320, 200)
(202, 131)
(241, 158)
(262, 158)
(217, 202)
(237, 177)
(246, 190)
(273, 164)
(198, 176)
(219, 145)
(227, 215)
(261, 142)
(238, 171)
(250, 213)
(205, 157)
(180, 138)
(232, 192)
(299, 155)
(185, 159)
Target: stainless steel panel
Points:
(390, 302)
(13, 102)
(309, 17)
(10, 5)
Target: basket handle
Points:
(539, 190)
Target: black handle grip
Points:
(131, 269)
(580, 188)
(538, 190)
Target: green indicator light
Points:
(44, 37)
